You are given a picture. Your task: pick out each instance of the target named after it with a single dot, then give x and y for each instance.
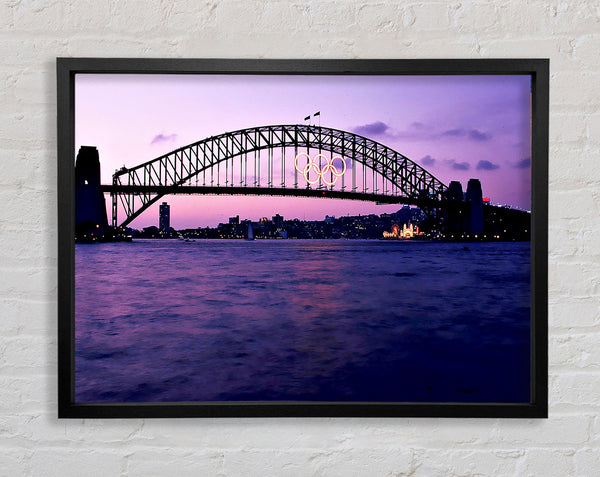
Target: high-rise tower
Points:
(164, 218)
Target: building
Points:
(474, 198)
(407, 231)
(234, 220)
(164, 218)
(278, 221)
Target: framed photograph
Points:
(302, 237)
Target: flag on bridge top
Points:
(307, 118)
(318, 113)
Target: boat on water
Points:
(250, 235)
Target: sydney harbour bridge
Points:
(277, 160)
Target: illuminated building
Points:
(164, 218)
(407, 231)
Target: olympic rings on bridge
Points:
(314, 165)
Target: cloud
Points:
(472, 134)
(428, 160)
(163, 138)
(460, 166)
(523, 163)
(476, 135)
(376, 128)
(484, 165)
(418, 131)
(454, 132)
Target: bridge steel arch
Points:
(402, 180)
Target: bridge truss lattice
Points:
(235, 163)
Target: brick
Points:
(65, 462)
(6, 15)
(567, 127)
(18, 167)
(18, 130)
(587, 461)
(35, 87)
(575, 351)
(15, 462)
(547, 462)
(595, 430)
(21, 395)
(148, 16)
(573, 166)
(571, 312)
(557, 48)
(566, 241)
(44, 15)
(593, 125)
(586, 96)
(121, 46)
(22, 352)
(165, 461)
(431, 16)
(26, 317)
(89, 16)
(557, 430)
(319, 462)
(590, 238)
(30, 283)
(576, 389)
(585, 48)
(380, 18)
(573, 204)
(18, 49)
(469, 17)
(105, 432)
(468, 462)
(574, 279)
(27, 208)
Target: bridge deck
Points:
(278, 191)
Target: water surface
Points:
(330, 320)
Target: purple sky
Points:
(456, 127)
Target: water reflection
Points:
(302, 320)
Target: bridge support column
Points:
(90, 207)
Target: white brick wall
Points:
(34, 442)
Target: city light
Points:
(408, 231)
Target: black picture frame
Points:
(67, 68)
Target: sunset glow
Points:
(456, 127)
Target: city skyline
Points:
(455, 127)
(165, 217)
